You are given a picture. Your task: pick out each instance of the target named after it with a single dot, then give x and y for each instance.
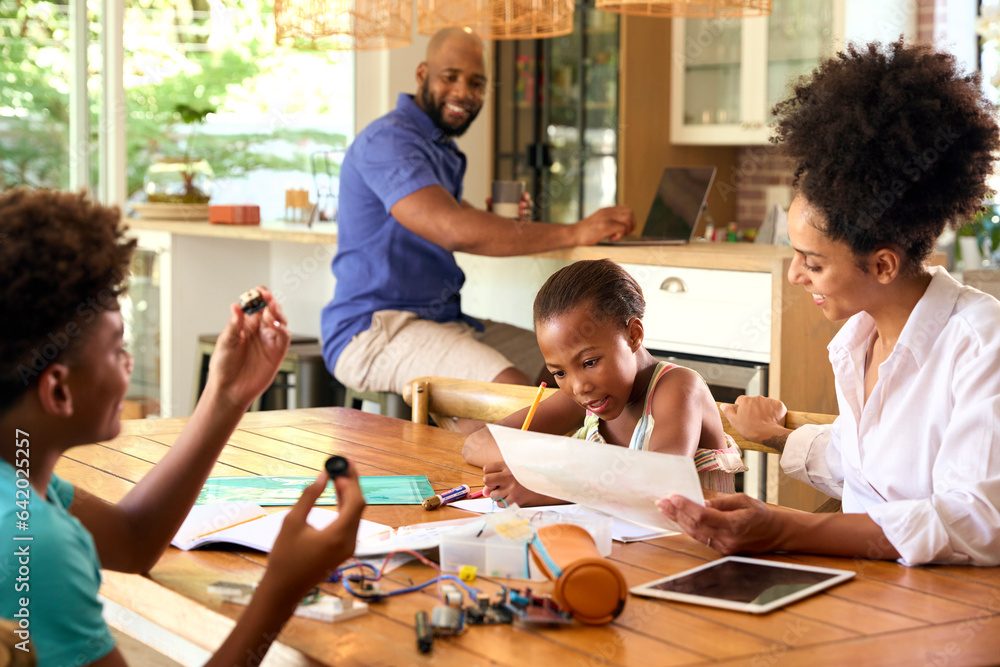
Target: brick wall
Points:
(760, 166)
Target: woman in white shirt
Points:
(892, 143)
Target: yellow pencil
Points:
(534, 406)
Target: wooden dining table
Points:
(888, 614)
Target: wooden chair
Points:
(443, 398)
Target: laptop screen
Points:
(679, 201)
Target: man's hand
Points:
(610, 223)
(249, 351)
(757, 418)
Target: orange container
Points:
(234, 214)
(587, 585)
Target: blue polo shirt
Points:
(381, 265)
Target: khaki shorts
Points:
(399, 346)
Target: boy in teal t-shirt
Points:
(63, 377)
(52, 566)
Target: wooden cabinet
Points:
(729, 74)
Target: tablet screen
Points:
(744, 584)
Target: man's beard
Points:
(436, 113)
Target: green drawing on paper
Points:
(264, 490)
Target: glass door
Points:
(799, 36)
(556, 111)
(713, 72)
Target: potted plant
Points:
(180, 187)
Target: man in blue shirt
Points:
(396, 312)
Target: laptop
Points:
(680, 200)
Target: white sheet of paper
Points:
(259, 533)
(621, 482)
(621, 530)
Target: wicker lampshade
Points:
(497, 19)
(688, 9)
(343, 24)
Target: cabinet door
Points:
(730, 73)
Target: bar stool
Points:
(389, 404)
(302, 370)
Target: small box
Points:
(494, 555)
(234, 214)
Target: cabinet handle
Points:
(673, 284)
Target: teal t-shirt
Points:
(53, 577)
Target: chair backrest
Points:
(793, 420)
(491, 402)
(467, 399)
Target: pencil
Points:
(534, 406)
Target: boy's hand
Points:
(303, 556)
(249, 351)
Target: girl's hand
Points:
(757, 418)
(249, 351)
(501, 485)
(303, 556)
(729, 523)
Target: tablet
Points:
(744, 584)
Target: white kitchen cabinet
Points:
(729, 73)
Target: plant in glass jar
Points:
(186, 179)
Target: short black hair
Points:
(891, 144)
(609, 290)
(63, 260)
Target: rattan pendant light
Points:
(689, 9)
(497, 19)
(343, 24)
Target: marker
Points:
(477, 494)
(336, 466)
(435, 502)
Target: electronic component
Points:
(315, 605)
(530, 609)
(251, 301)
(424, 637)
(336, 466)
(446, 621)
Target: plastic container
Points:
(494, 555)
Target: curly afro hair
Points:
(63, 260)
(891, 143)
(612, 294)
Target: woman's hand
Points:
(303, 556)
(249, 351)
(729, 523)
(757, 418)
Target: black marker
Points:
(424, 637)
(336, 466)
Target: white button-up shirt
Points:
(922, 456)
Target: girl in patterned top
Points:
(588, 320)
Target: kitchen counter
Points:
(729, 256)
